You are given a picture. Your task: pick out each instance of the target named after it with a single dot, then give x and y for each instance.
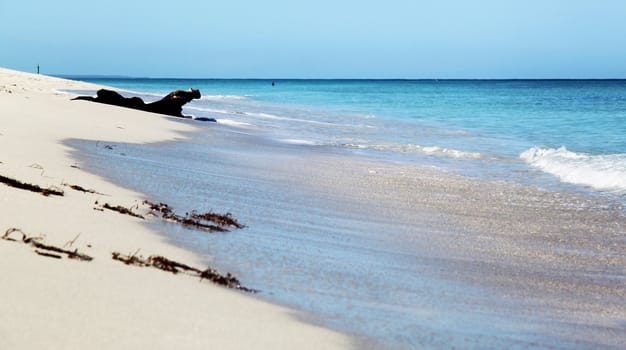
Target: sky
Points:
(317, 39)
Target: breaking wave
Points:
(603, 172)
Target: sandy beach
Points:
(394, 254)
(65, 303)
(325, 175)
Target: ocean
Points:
(549, 145)
(572, 130)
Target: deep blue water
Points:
(572, 130)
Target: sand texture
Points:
(66, 303)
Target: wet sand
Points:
(401, 255)
(53, 301)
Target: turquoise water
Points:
(305, 249)
(537, 131)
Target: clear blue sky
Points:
(317, 39)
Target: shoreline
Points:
(479, 251)
(102, 303)
(456, 147)
(518, 255)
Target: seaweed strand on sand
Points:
(195, 220)
(122, 210)
(30, 187)
(44, 249)
(168, 265)
(82, 189)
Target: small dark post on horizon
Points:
(37, 69)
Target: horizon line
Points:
(118, 76)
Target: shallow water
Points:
(398, 255)
(541, 132)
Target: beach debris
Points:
(168, 265)
(220, 219)
(191, 223)
(228, 281)
(172, 104)
(55, 256)
(160, 208)
(120, 209)
(195, 220)
(42, 248)
(82, 189)
(165, 264)
(30, 187)
(130, 259)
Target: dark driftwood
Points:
(172, 104)
(30, 187)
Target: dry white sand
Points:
(103, 304)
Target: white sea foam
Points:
(298, 142)
(276, 117)
(602, 172)
(223, 98)
(417, 149)
(233, 123)
(210, 110)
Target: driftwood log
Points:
(172, 104)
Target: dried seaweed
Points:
(130, 259)
(82, 189)
(122, 210)
(220, 219)
(165, 264)
(194, 220)
(70, 254)
(47, 249)
(30, 187)
(9, 232)
(227, 281)
(187, 222)
(48, 255)
(161, 208)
